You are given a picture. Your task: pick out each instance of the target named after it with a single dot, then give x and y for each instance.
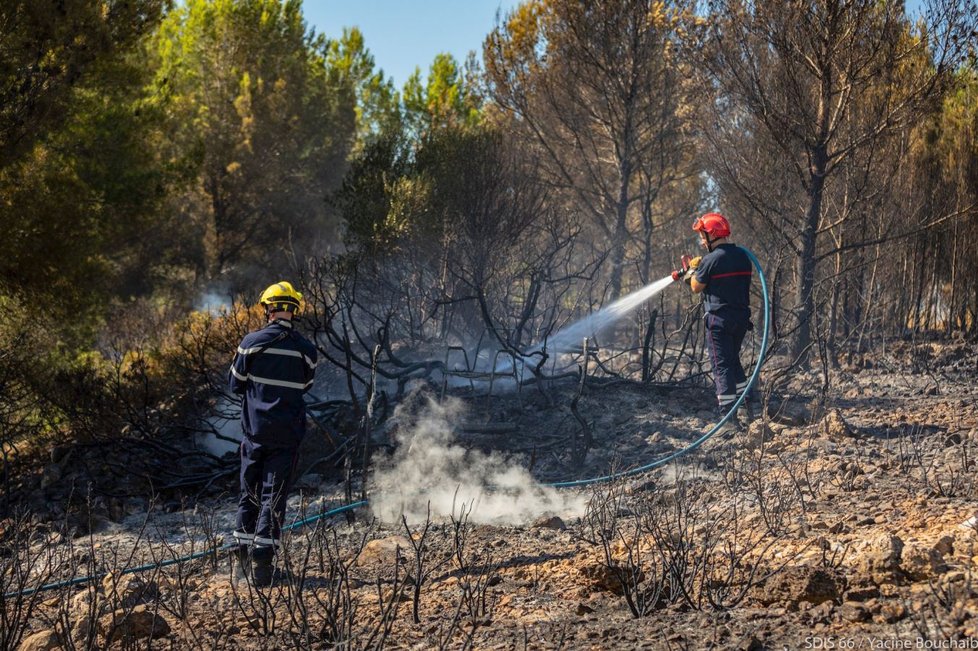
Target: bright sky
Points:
(404, 34)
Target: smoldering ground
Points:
(430, 469)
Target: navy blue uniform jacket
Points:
(273, 367)
(726, 272)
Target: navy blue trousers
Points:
(266, 475)
(724, 338)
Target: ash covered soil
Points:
(839, 523)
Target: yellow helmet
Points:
(281, 297)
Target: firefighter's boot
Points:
(241, 561)
(261, 566)
(750, 409)
(745, 413)
(732, 427)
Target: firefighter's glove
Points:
(691, 269)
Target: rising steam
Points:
(429, 468)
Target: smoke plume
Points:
(428, 467)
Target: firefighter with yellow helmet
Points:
(272, 369)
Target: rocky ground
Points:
(830, 523)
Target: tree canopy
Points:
(155, 152)
(261, 122)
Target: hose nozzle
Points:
(684, 270)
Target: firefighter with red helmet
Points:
(723, 276)
(272, 369)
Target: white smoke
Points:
(213, 301)
(429, 468)
(225, 422)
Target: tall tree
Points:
(46, 47)
(82, 186)
(937, 284)
(446, 98)
(263, 124)
(384, 193)
(378, 104)
(818, 85)
(599, 89)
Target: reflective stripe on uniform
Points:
(270, 542)
(241, 536)
(275, 383)
(276, 351)
(278, 383)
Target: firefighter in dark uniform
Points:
(272, 369)
(723, 276)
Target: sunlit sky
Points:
(404, 34)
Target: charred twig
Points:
(586, 442)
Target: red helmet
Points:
(713, 224)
